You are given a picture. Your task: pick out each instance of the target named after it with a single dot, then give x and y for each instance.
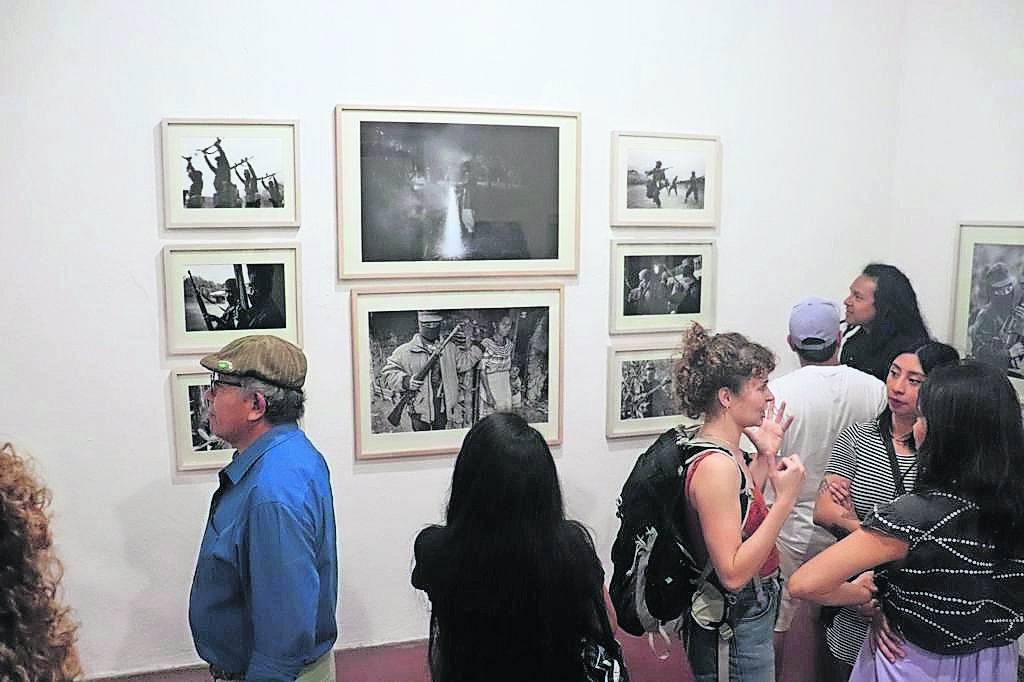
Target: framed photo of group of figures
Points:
(235, 176)
(660, 283)
(487, 196)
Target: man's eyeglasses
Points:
(217, 380)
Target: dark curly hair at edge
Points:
(708, 363)
(974, 447)
(37, 635)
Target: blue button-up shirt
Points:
(265, 590)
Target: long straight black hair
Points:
(524, 583)
(974, 447)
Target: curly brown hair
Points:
(708, 363)
(37, 634)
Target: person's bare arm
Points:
(714, 494)
(833, 508)
(823, 579)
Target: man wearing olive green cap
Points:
(265, 589)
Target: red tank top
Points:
(753, 509)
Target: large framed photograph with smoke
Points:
(665, 180)
(431, 362)
(641, 399)
(217, 293)
(661, 286)
(195, 447)
(230, 173)
(449, 193)
(988, 313)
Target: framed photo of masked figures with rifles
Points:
(431, 362)
(988, 313)
(230, 173)
(214, 294)
(452, 192)
(641, 398)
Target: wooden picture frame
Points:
(665, 179)
(455, 192)
(205, 308)
(661, 285)
(195, 448)
(988, 308)
(483, 368)
(641, 400)
(230, 173)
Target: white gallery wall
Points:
(851, 132)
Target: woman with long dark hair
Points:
(872, 463)
(515, 588)
(949, 555)
(882, 319)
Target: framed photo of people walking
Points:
(217, 293)
(641, 397)
(661, 286)
(453, 192)
(195, 446)
(988, 314)
(430, 362)
(665, 179)
(230, 173)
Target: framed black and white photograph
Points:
(661, 286)
(665, 180)
(195, 446)
(449, 193)
(215, 294)
(988, 314)
(431, 362)
(230, 173)
(641, 398)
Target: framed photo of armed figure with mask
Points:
(454, 193)
(988, 313)
(215, 294)
(431, 362)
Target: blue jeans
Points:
(751, 652)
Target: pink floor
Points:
(407, 662)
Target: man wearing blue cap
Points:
(824, 397)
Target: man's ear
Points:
(259, 406)
(789, 340)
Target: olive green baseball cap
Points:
(262, 356)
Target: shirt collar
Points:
(244, 460)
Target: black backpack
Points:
(655, 573)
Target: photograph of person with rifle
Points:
(234, 296)
(425, 374)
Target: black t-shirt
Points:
(952, 595)
(862, 352)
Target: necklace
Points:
(733, 448)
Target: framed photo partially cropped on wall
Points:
(217, 293)
(640, 394)
(195, 446)
(988, 312)
(230, 173)
(661, 286)
(431, 362)
(665, 180)
(449, 192)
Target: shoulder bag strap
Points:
(897, 479)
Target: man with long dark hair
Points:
(882, 319)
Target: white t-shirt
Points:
(823, 401)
